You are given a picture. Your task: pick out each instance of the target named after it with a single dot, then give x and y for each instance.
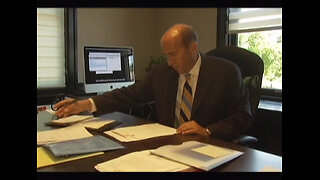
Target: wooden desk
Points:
(251, 161)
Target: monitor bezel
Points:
(101, 87)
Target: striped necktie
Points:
(186, 103)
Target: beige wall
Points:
(203, 20)
(140, 28)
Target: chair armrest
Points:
(245, 140)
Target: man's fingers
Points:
(62, 103)
(189, 131)
(190, 127)
(185, 127)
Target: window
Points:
(258, 30)
(268, 45)
(56, 53)
(50, 48)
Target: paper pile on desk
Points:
(141, 132)
(141, 161)
(94, 123)
(197, 154)
(62, 134)
(171, 158)
(67, 121)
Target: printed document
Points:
(141, 161)
(141, 132)
(94, 123)
(62, 134)
(71, 119)
(213, 151)
(196, 154)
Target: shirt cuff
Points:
(208, 131)
(93, 105)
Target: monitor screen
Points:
(107, 68)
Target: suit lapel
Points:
(203, 85)
(172, 95)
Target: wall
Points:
(140, 28)
(117, 27)
(203, 20)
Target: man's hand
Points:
(68, 107)
(192, 127)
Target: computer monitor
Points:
(107, 68)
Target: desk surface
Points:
(251, 161)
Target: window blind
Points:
(254, 19)
(50, 48)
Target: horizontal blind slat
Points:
(50, 48)
(248, 19)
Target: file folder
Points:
(46, 158)
(91, 144)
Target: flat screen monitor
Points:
(107, 68)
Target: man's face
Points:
(179, 56)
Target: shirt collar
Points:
(195, 69)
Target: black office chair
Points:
(251, 67)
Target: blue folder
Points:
(86, 145)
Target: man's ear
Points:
(193, 47)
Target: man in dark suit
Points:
(213, 102)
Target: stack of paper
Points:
(97, 124)
(141, 132)
(171, 158)
(197, 154)
(67, 121)
(141, 161)
(62, 134)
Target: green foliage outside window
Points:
(268, 45)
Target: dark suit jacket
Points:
(220, 103)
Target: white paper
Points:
(62, 134)
(213, 151)
(183, 153)
(94, 124)
(72, 119)
(141, 132)
(141, 161)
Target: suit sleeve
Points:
(239, 112)
(123, 98)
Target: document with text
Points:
(94, 123)
(197, 154)
(140, 161)
(71, 120)
(62, 134)
(141, 132)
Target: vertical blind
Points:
(50, 48)
(254, 19)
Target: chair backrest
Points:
(251, 67)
